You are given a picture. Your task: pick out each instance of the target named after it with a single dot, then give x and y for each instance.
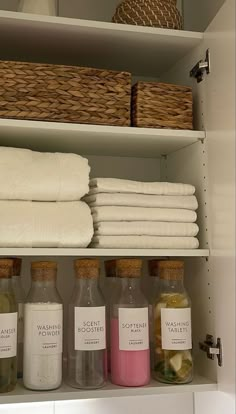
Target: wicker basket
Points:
(162, 105)
(64, 94)
(156, 13)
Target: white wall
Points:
(199, 13)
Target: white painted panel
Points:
(28, 408)
(176, 403)
(89, 9)
(214, 402)
(220, 126)
(216, 97)
(143, 169)
(88, 43)
(190, 165)
(83, 9)
(199, 13)
(9, 4)
(94, 139)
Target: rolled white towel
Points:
(139, 228)
(141, 200)
(109, 213)
(29, 175)
(49, 224)
(116, 185)
(144, 242)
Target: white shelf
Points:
(103, 252)
(95, 139)
(21, 395)
(141, 50)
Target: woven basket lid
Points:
(155, 13)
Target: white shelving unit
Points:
(21, 395)
(203, 159)
(95, 139)
(107, 45)
(104, 252)
(90, 43)
(102, 45)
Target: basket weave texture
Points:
(155, 13)
(162, 105)
(64, 94)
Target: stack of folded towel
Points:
(39, 199)
(131, 214)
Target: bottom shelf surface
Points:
(66, 393)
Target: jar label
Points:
(46, 330)
(8, 335)
(90, 328)
(176, 330)
(20, 327)
(133, 329)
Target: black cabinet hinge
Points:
(211, 349)
(203, 66)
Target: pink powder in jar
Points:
(128, 368)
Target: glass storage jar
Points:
(154, 284)
(173, 361)
(20, 299)
(154, 280)
(112, 286)
(8, 328)
(87, 365)
(47, 7)
(130, 355)
(43, 330)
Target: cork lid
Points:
(43, 271)
(153, 267)
(110, 268)
(86, 268)
(6, 268)
(44, 265)
(171, 269)
(128, 267)
(16, 265)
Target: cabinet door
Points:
(220, 127)
(214, 101)
(174, 403)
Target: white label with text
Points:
(133, 329)
(47, 331)
(90, 328)
(176, 331)
(8, 335)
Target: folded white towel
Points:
(141, 200)
(28, 175)
(109, 213)
(151, 228)
(49, 224)
(115, 185)
(144, 242)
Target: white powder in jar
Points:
(43, 345)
